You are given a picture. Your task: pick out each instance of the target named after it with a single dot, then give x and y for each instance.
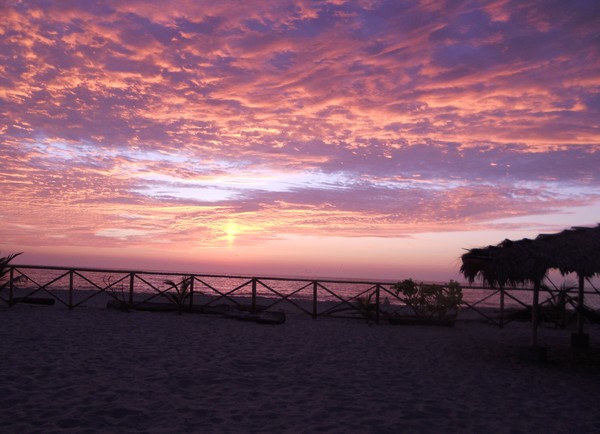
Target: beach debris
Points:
(275, 317)
(242, 313)
(34, 300)
(416, 320)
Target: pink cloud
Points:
(344, 117)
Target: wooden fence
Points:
(77, 287)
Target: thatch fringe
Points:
(575, 250)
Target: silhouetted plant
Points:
(182, 292)
(366, 307)
(119, 294)
(555, 310)
(5, 279)
(430, 300)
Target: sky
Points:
(360, 138)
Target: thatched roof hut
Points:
(575, 250)
(508, 263)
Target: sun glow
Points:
(231, 230)
(276, 138)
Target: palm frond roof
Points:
(575, 250)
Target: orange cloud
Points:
(213, 124)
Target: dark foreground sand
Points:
(96, 370)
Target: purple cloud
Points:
(357, 116)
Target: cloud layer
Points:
(132, 123)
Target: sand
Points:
(99, 370)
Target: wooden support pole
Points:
(192, 278)
(11, 286)
(502, 307)
(580, 305)
(253, 308)
(131, 284)
(377, 294)
(535, 313)
(71, 289)
(314, 312)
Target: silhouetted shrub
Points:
(429, 300)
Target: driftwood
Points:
(219, 309)
(259, 317)
(242, 313)
(34, 300)
(417, 320)
(118, 305)
(146, 307)
(155, 307)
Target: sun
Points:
(231, 230)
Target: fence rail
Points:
(77, 287)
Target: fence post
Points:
(502, 307)
(314, 313)
(10, 286)
(535, 309)
(253, 307)
(580, 305)
(70, 289)
(377, 290)
(131, 277)
(192, 278)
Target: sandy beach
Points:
(99, 370)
